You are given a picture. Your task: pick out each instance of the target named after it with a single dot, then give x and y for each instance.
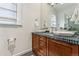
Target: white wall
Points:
(46, 12)
(22, 34)
(65, 9)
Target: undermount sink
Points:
(64, 33)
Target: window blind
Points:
(8, 13)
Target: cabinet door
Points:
(43, 46)
(35, 43)
(58, 49)
(52, 49)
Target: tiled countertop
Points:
(71, 40)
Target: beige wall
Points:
(22, 34)
(30, 12)
(46, 12)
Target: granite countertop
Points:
(69, 39)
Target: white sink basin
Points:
(64, 33)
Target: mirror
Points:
(67, 16)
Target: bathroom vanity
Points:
(47, 44)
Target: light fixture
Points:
(53, 4)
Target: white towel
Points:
(11, 45)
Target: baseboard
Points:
(23, 52)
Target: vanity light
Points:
(53, 4)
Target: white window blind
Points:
(8, 13)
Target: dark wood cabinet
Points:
(39, 45)
(57, 49)
(35, 43)
(44, 46)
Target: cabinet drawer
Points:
(42, 51)
(43, 38)
(42, 44)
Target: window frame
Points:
(18, 17)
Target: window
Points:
(8, 13)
